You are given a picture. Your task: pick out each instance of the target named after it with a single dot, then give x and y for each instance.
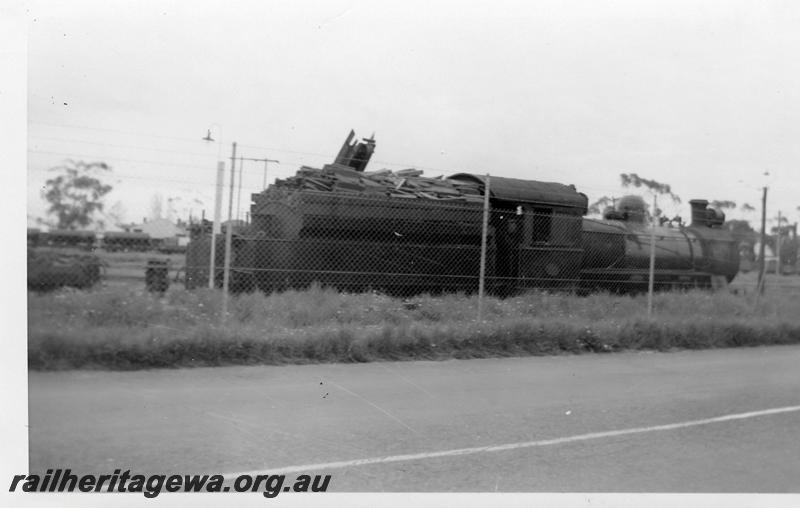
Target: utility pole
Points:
(266, 161)
(215, 228)
(241, 170)
(239, 192)
(778, 247)
(761, 248)
(226, 275)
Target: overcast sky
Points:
(704, 96)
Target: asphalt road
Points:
(407, 419)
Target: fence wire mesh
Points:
(404, 246)
(401, 245)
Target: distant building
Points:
(160, 230)
(157, 229)
(235, 224)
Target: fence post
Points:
(484, 231)
(651, 275)
(762, 264)
(226, 269)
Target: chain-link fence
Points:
(401, 245)
(404, 246)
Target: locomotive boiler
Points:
(401, 233)
(616, 250)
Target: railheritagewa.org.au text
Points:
(63, 480)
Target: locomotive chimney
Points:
(699, 214)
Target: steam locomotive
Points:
(403, 234)
(617, 249)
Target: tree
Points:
(598, 206)
(156, 206)
(635, 180)
(723, 205)
(632, 179)
(116, 214)
(780, 228)
(740, 228)
(76, 194)
(747, 207)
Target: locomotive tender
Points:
(402, 234)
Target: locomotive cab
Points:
(537, 232)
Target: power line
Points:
(157, 179)
(135, 147)
(198, 167)
(85, 127)
(77, 154)
(160, 136)
(196, 183)
(258, 147)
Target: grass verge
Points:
(116, 328)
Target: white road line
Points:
(513, 446)
(385, 412)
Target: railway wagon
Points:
(67, 238)
(114, 241)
